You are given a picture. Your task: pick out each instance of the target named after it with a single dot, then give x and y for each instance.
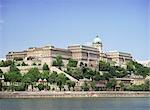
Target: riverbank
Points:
(68, 94)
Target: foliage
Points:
(88, 73)
(33, 74)
(13, 68)
(58, 62)
(61, 80)
(52, 78)
(45, 75)
(20, 87)
(45, 67)
(137, 68)
(75, 72)
(85, 87)
(93, 85)
(122, 85)
(41, 87)
(13, 75)
(5, 63)
(142, 87)
(111, 84)
(72, 63)
(104, 66)
(70, 84)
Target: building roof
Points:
(97, 40)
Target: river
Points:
(76, 104)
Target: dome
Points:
(97, 40)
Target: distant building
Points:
(145, 63)
(90, 55)
(120, 58)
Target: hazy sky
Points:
(123, 25)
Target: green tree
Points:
(122, 85)
(104, 66)
(93, 85)
(75, 72)
(147, 85)
(13, 76)
(41, 87)
(70, 84)
(52, 78)
(5, 63)
(33, 74)
(111, 84)
(61, 80)
(58, 62)
(72, 63)
(45, 67)
(45, 75)
(13, 68)
(85, 87)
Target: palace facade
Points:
(89, 55)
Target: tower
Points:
(97, 43)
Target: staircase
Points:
(60, 71)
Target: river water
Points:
(76, 104)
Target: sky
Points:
(123, 25)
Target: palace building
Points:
(89, 55)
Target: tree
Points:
(147, 85)
(58, 62)
(122, 85)
(138, 69)
(13, 68)
(27, 81)
(85, 87)
(61, 80)
(13, 76)
(52, 78)
(120, 72)
(45, 75)
(75, 72)
(111, 84)
(72, 63)
(34, 74)
(41, 87)
(93, 85)
(5, 63)
(70, 84)
(88, 73)
(45, 67)
(104, 66)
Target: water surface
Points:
(76, 104)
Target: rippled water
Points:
(76, 104)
